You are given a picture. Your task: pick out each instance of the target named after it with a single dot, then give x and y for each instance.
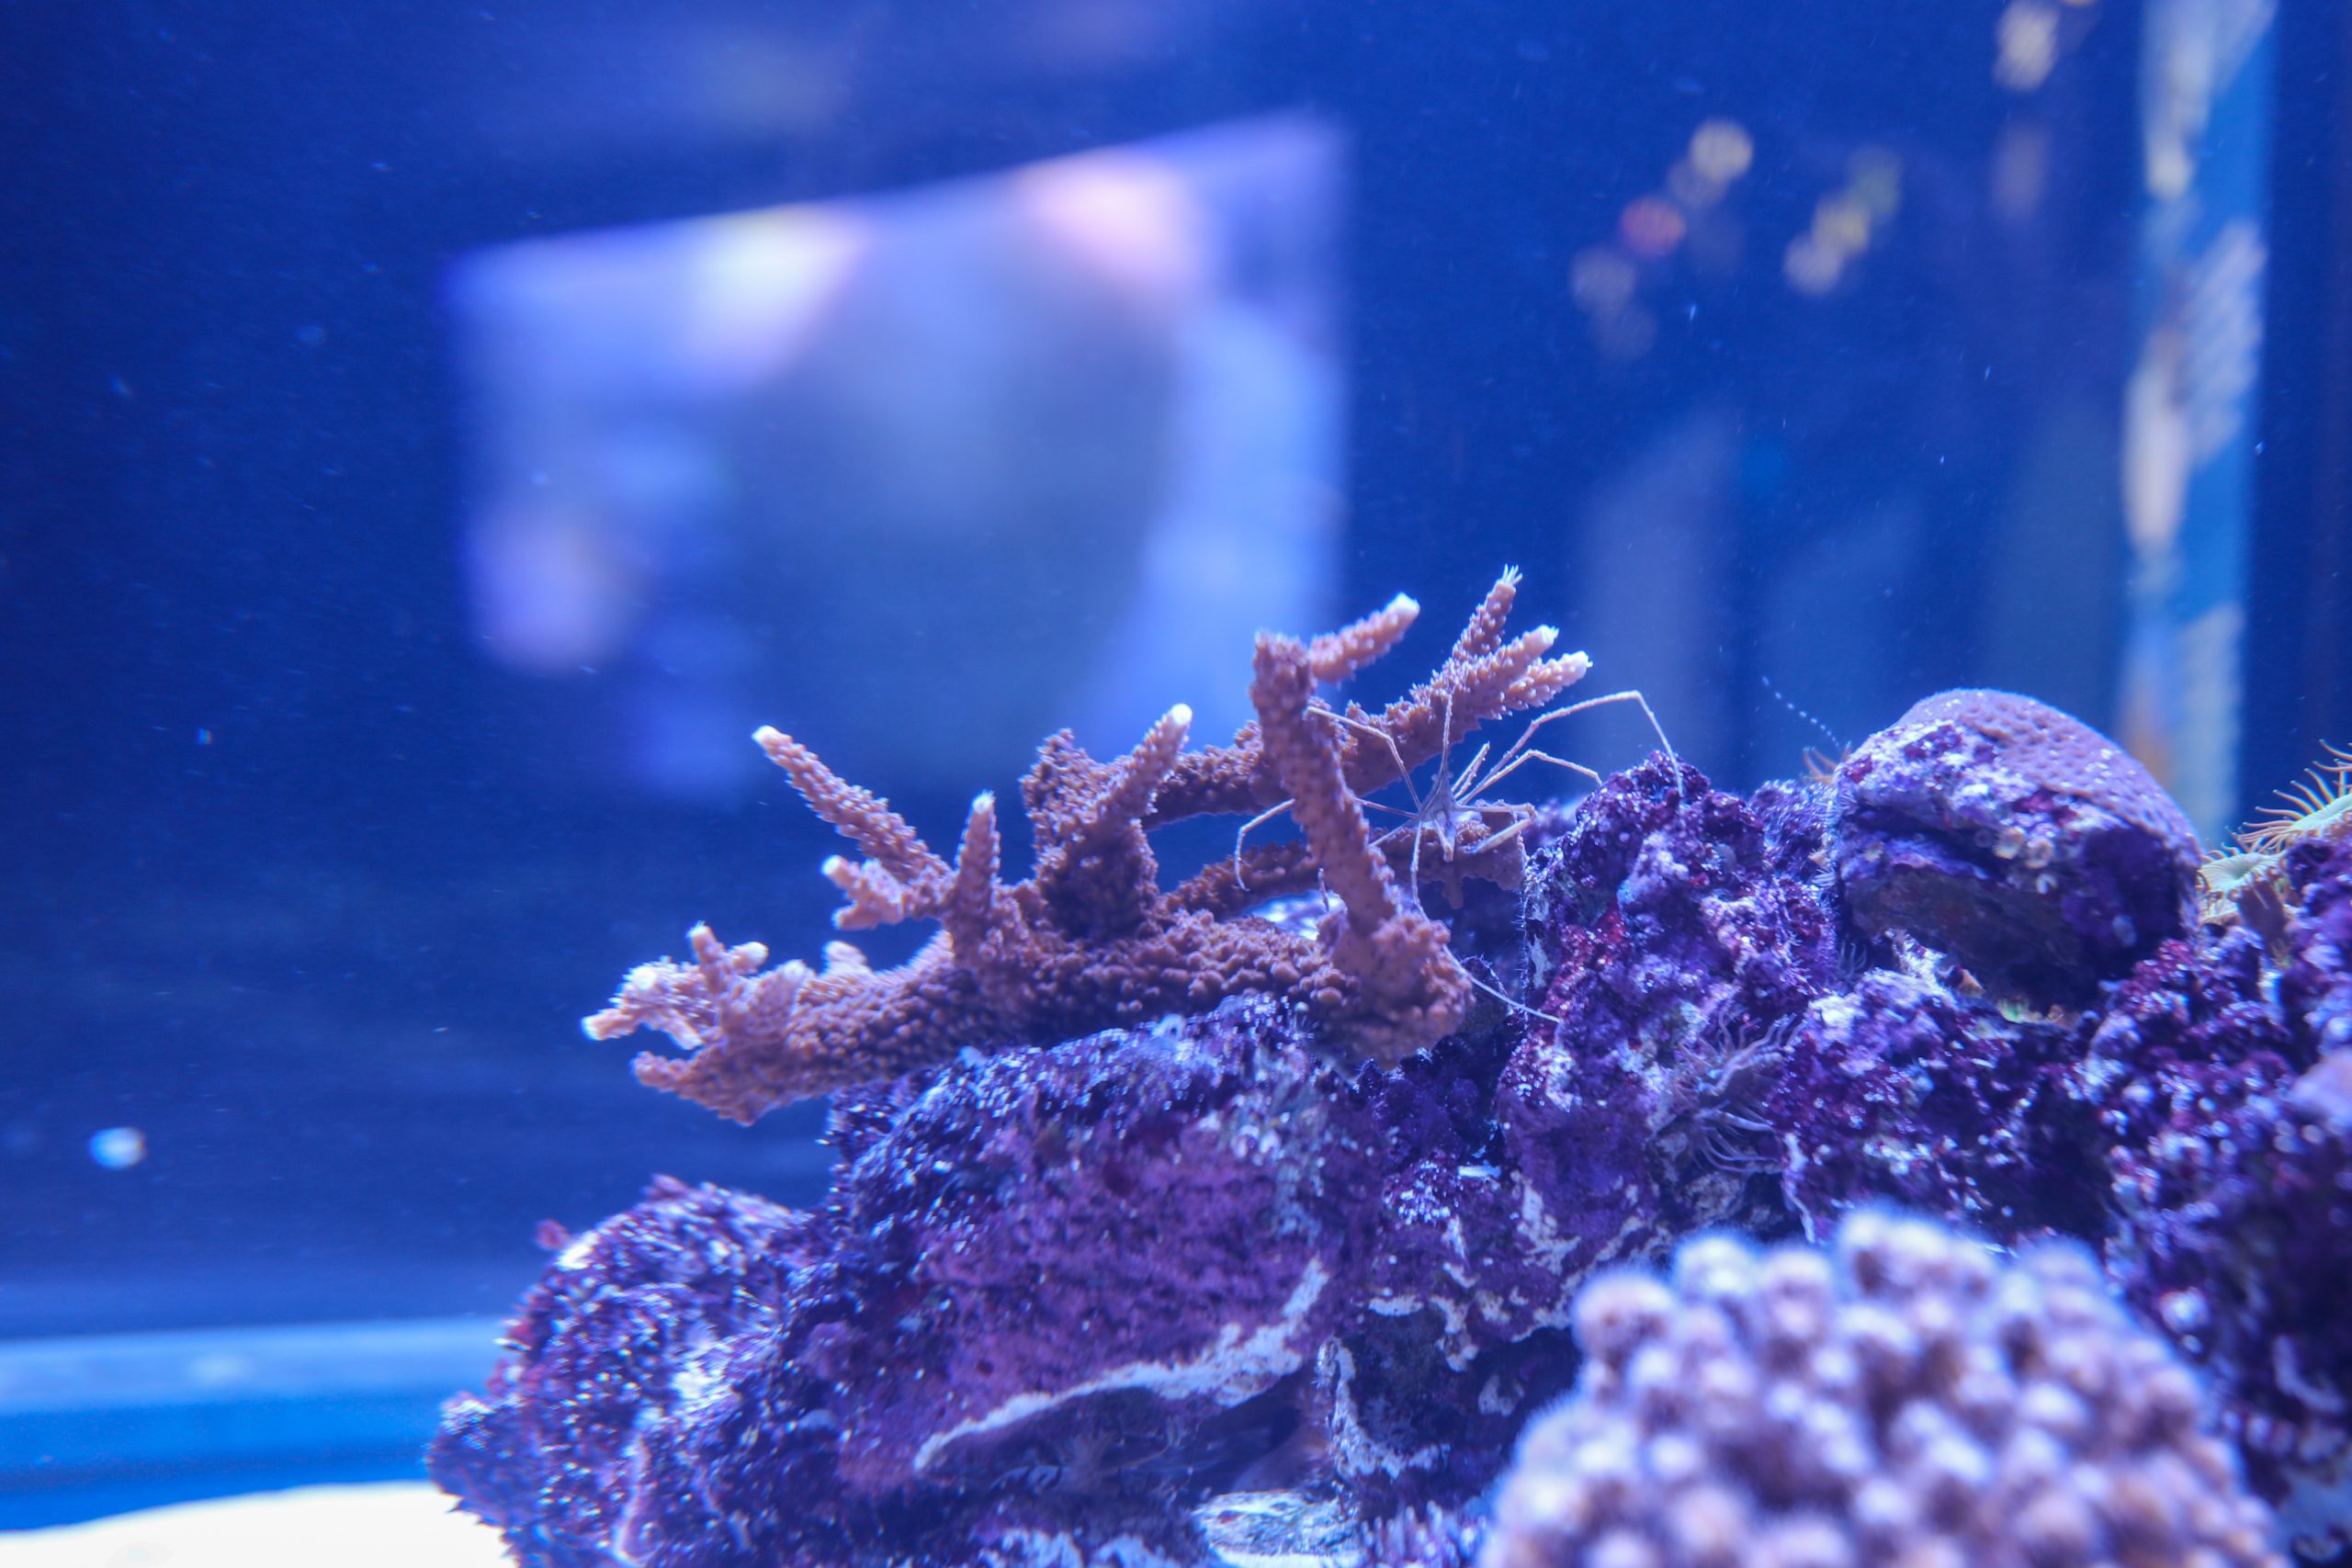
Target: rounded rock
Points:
(2015, 839)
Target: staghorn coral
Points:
(1904, 1398)
(1090, 940)
(1410, 991)
(1483, 677)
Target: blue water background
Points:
(295, 888)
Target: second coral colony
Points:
(1933, 1162)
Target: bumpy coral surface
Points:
(1904, 1398)
(2015, 838)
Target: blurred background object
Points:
(2191, 442)
(920, 477)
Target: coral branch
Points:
(875, 898)
(1482, 679)
(860, 816)
(1336, 655)
(970, 906)
(1329, 816)
(1127, 796)
(1410, 991)
(1091, 940)
(1486, 627)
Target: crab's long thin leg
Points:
(1263, 818)
(1404, 774)
(1502, 835)
(1540, 720)
(1525, 735)
(1511, 1002)
(1467, 786)
(1533, 754)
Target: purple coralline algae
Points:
(1896, 1089)
(2017, 840)
(1218, 1288)
(1045, 1304)
(2315, 982)
(2230, 1124)
(1904, 1398)
(1607, 1123)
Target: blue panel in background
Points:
(104, 1423)
(2190, 432)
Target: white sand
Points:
(401, 1524)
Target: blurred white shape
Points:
(919, 477)
(2193, 49)
(758, 288)
(118, 1148)
(1131, 216)
(383, 1524)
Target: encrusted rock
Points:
(1200, 1286)
(1900, 1091)
(2015, 839)
(1055, 1297)
(2229, 1122)
(1665, 933)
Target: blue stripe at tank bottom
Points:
(97, 1424)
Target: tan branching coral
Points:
(1408, 988)
(1483, 678)
(1091, 940)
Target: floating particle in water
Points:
(1627, 334)
(1692, 190)
(1841, 223)
(1846, 221)
(2020, 170)
(117, 1148)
